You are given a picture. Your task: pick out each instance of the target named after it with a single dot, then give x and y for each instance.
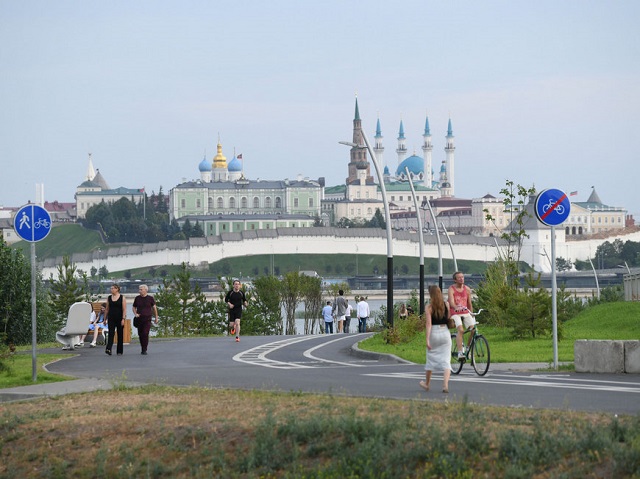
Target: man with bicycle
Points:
(459, 298)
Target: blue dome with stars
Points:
(204, 165)
(234, 165)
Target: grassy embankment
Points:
(605, 321)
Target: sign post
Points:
(32, 223)
(552, 209)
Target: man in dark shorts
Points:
(235, 299)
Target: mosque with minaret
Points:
(360, 195)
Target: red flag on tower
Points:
(573, 193)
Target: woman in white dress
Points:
(438, 340)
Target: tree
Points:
(377, 221)
(64, 291)
(514, 202)
(531, 312)
(290, 297)
(311, 293)
(265, 309)
(15, 300)
(563, 264)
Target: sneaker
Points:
(144, 352)
(233, 331)
(237, 339)
(79, 345)
(92, 345)
(460, 354)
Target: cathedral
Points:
(223, 200)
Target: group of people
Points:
(341, 312)
(438, 337)
(112, 316)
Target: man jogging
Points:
(235, 299)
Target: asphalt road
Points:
(330, 364)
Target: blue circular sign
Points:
(32, 223)
(552, 207)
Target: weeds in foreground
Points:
(173, 432)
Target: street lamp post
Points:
(420, 240)
(387, 216)
(453, 254)
(435, 223)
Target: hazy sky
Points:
(544, 93)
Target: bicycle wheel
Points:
(456, 366)
(480, 355)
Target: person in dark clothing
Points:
(116, 314)
(144, 308)
(235, 299)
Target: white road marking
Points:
(258, 356)
(533, 381)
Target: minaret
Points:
(427, 148)
(449, 150)
(378, 149)
(220, 172)
(402, 147)
(358, 153)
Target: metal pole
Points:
(595, 275)
(34, 361)
(420, 240)
(387, 215)
(453, 255)
(554, 298)
(439, 245)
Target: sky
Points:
(542, 93)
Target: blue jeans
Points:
(328, 325)
(362, 325)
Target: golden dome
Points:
(220, 161)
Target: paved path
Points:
(329, 364)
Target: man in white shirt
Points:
(362, 309)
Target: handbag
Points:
(451, 324)
(136, 322)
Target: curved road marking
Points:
(258, 356)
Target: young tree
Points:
(65, 291)
(515, 200)
(290, 296)
(169, 308)
(311, 292)
(265, 308)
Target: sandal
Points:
(446, 391)
(424, 386)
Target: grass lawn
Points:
(619, 320)
(20, 371)
(160, 431)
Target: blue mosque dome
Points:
(415, 165)
(234, 165)
(204, 165)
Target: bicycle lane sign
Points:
(32, 223)
(552, 207)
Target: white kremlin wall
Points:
(197, 251)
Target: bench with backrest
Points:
(76, 324)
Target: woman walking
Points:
(438, 340)
(116, 314)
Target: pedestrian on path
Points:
(144, 308)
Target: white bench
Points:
(76, 325)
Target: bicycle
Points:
(478, 351)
